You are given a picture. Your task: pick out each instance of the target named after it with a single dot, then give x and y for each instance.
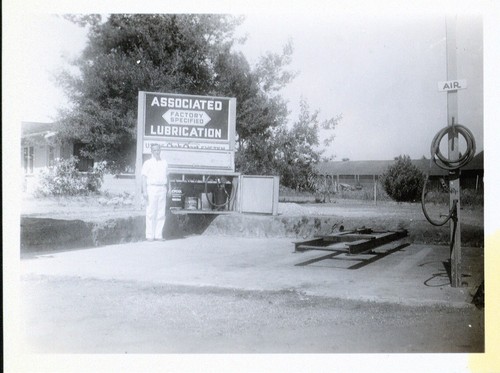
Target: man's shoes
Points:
(160, 239)
(149, 240)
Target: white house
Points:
(39, 149)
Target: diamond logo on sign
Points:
(186, 117)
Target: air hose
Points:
(449, 165)
(229, 198)
(445, 163)
(452, 214)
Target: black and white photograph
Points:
(302, 186)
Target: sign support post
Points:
(453, 152)
(138, 154)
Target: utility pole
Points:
(453, 151)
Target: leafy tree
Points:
(189, 54)
(167, 53)
(297, 150)
(403, 181)
(261, 110)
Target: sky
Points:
(379, 73)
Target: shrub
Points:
(471, 198)
(403, 181)
(323, 187)
(64, 179)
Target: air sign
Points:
(452, 85)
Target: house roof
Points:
(37, 128)
(379, 167)
(353, 167)
(38, 133)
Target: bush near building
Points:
(64, 179)
(403, 181)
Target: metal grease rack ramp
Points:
(353, 242)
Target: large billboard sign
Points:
(179, 117)
(197, 132)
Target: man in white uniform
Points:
(154, 189)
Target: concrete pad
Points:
(414, 275)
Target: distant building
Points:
(364, 174)
(40, 147)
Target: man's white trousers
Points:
(155, 211)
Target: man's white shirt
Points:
(155, 171)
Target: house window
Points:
(28, 160)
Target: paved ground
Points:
(410, 276)
(221, 294)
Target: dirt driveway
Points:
(75, 315)
(94, 207)
(300, 220)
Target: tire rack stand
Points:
(352, 243)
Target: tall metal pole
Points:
(453, 151)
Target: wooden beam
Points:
(453, 151)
